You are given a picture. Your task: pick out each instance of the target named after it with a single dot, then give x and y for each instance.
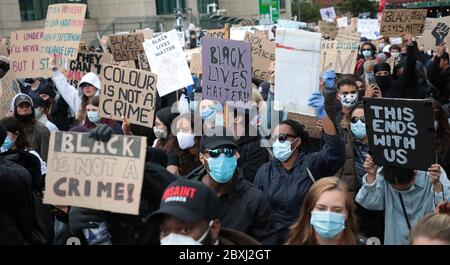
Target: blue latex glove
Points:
(317, 101)
(329, 77)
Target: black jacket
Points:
(440, 79)
(244, 208)
(252, 155)
(16, 203)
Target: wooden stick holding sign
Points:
(401, 132)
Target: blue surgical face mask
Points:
(358, 129)
(327, 224)
(7, 144)
(221, 169)
(283, 151)
(93, 116)
(209, 113)
(367, 54)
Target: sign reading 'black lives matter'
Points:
(400, 132)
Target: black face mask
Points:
(47, 102)
(384, 82)
(25, 118)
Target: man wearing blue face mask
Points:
(242, 206)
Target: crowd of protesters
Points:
(289, 191)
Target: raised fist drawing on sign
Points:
(440, 32)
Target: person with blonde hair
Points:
(327, 216)
(434, 228)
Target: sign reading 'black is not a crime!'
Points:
(400, 132)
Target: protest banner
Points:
(147, 33)
(401, 132)
(128, 92)
(93, 174)
(328, 13)
(4, 47)
(297, 70)
(227, 70)
(339, 56)
(63, 27)
(436, 32)
(290, 24)
(7, 92)
(216, 33)
(238, 33)
(328, 29)
(168, 62)
(342, 22)
(369, 28)
(397, 21)
(126, 47)
(349, 33)
(263, 54)
(86, 62)
(196, 63)
(25, 58)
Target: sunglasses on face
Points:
(227, 151)
(283, 137)
(356, 119)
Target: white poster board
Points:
(168, 62)
(369, 28)
(328, 13)
(298, 70)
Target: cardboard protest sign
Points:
(7, 93)
(297, 70)
(147, 33)
(238, 33)
(143, 62)
(290, 24)
(369, 28)
(86, 62)
(342, 22)
(126, 47)
(217, 33)
(436, 32)
(339, 56)
(328, 28)
(397, 21)
(167, 60)
(401, 132)
(4, 47)
(349, 33)
(83, 47)
(227, 70)
(63, 27)
(328, 13)
(93, 174)
(26, 53)
(128, 92)
(196, 63)
(263, 54)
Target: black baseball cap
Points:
(212, 142)
(189, 201)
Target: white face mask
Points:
(349, 100)
(185, 140)
(177, 239)
(395, 55)
(159, 133)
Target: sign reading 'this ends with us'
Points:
(227, 70)
(401, 132)
(93, 174)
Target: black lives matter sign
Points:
(400, 132)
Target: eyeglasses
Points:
(229, 152)
(283, 137)
(356, 119)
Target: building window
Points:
(203, 5)
(37, 9)
(282, 4)
(165, 7)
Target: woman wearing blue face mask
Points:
(211, 113)
(327, 216)
(356, 151)
(93, 119)
(368, 53)
(286, 179)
